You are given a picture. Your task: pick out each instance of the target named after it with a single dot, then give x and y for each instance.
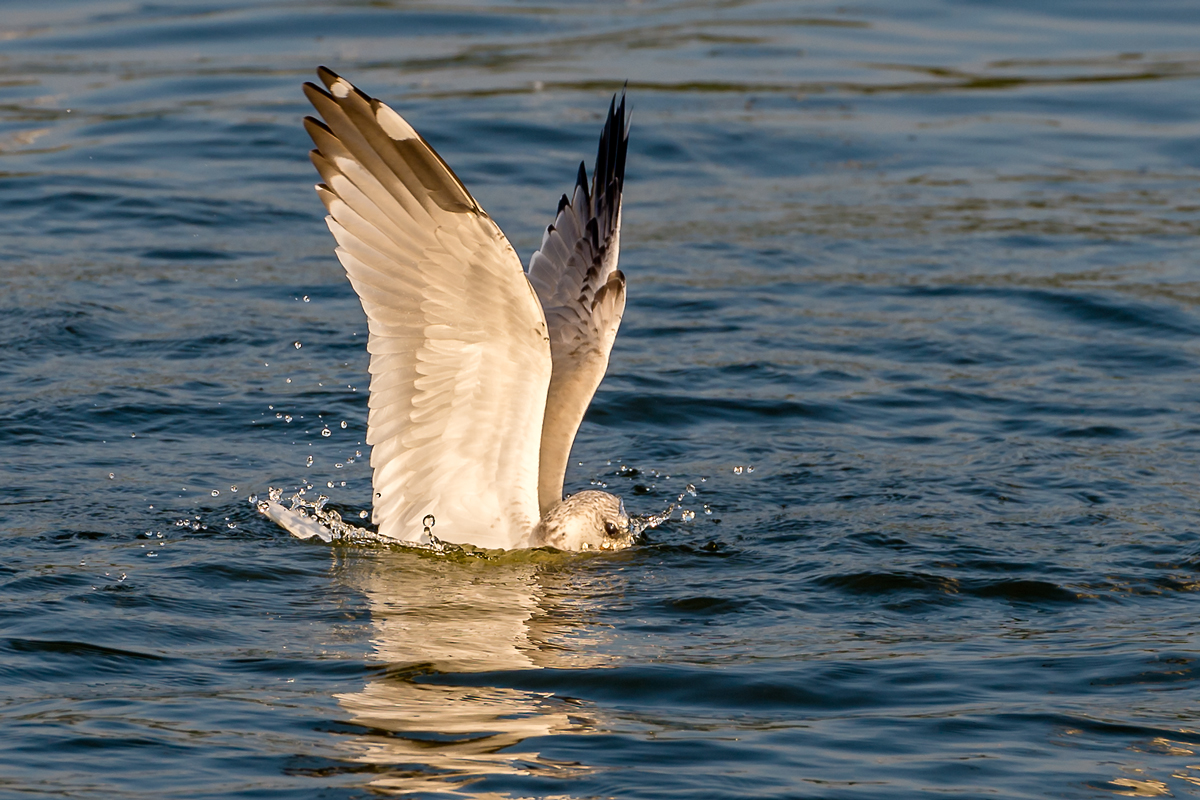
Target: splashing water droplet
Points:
(305, 298)
(289, 380)
(275, 494)
(429, 521)
(343, 424)
(287, 418)
(233, 489)
(216, 492)
(707, 510)
(278, 415)
(308, 461)
(737, 470)
(337, 466)
(252, 499)
(343, 483)
(358, 454)
(329, 484)
(111, 475)
(749, 469)
(687, 515)
(690, 489)
(298, 345)
(326, 432)
(362, 515)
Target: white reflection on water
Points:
(434, 616)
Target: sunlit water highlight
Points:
(913, 310)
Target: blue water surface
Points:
(913, 330)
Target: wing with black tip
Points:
(460, 363)
(583, 296)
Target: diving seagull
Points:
(480, 371)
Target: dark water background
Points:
(929, 268)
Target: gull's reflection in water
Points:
(433, 616)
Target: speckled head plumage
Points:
(588, 520)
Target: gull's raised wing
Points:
(583, 295)
(460, 363)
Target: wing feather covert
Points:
(460, 362)
(583, 296)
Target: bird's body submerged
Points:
(480, 373)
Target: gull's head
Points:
(585, 521)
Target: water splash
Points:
(642, 523)
(339, 531)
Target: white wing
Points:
(583, 295)
(459, 357)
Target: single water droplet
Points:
(233, 489)
(326, 432)
(298, 345)
(362, 515)
(287, 418)
(111, 475)
(289, 380)
(707, 510)
(278, 415)
(231, 525)
(308, 461)
(216, 492)
(343, 424)
(427, 532)
(252, 499)
(305, 298)
(263, 506)
(272, 408)
(329, 484)
(343, 483)
(275, 494)
(749, 469)
(429, 521)
(337, 466)
(358, 454)
(690, 489)
(737, 470)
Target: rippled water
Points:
(913, 304)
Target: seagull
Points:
(481, 371)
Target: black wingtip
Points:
(581, 180)
(327, 76)
(608, 176)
